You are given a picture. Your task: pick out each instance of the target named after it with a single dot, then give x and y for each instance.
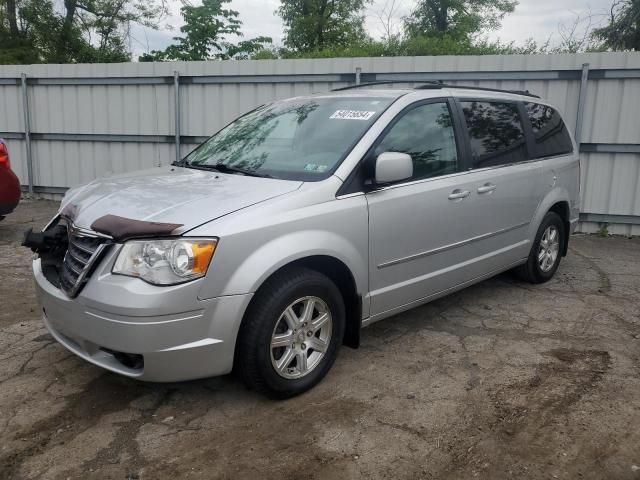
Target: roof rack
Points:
(370, 84)
(526, 93)
(427, 84)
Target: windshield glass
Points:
(299, 139)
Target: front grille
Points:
(83, 250)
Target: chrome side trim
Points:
(198, 343)
(450, 246)
(408, 306)
(349, 195)
(178, 318)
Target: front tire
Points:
(546, 251)
(291, 333)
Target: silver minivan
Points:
(275, 241)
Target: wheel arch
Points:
(563, 211)
(342, 276)
(555, 201)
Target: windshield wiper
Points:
(223, 168)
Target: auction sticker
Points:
(312, 167)
(352, 115)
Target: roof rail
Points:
(426, 84)
(370, 84)
(526, 93)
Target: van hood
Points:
(172, 194)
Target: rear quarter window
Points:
(496, 134)
(549, 131)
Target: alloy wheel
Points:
(301, 337)
(549, 248)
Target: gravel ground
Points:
(501, 380)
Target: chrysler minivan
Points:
(275, 241)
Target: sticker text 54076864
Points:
(352, 115)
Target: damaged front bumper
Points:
(151, 333)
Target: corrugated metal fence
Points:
(68, 124)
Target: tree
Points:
(457, 19)
(206, 28)
(318, 24)
(623, 30)
(105, 26)
(34, 31)
(577, 36)
(386, 17)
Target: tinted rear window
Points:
(495, 133)
(550, 132)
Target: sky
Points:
(540, 20)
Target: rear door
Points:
(506, 182)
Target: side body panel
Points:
(424, 241)
(267, 237)
(561, 183)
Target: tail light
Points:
(4, 156)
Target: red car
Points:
(9, 183)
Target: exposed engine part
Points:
(46, 242)
(51, 246)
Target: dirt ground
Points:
(501, 380)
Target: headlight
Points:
(165, 262)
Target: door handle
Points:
(458, 194)
(486, 188)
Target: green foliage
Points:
(315, 25)
(34, 31)
(73, 31)
(457, 19)
(603, 230)
(416, 46)
(435, 27)
(623, 30)
(205, 30)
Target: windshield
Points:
(299, 139)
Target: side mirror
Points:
(393, 166)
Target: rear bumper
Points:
(179, 346)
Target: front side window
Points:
(299, 139)
(495, 133)
(426, 133)
(549, 131)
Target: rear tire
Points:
(291, 333)
(546, 251)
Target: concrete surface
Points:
(502, 380)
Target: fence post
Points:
(582, 99)
(176, 93)
(358, 74)
(27, 130)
